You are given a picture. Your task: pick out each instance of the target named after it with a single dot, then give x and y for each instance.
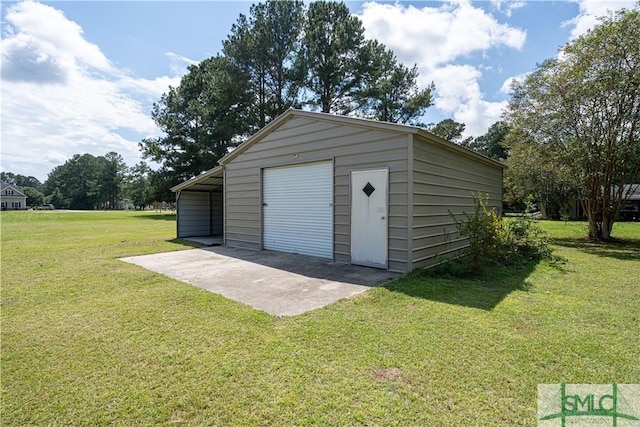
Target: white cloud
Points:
(179, 64)
(440, 40)
(438, 34)
(45, 32)
(507, 7)
(62, 96)
(508, 83)
(459, 93)
(591, 10)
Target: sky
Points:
(82, 76)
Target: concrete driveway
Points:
(280, 284)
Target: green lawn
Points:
(90, 340)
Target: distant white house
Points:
(11, 198)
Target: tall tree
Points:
(34, 196)
(56, 198)
(137, 185)
(76, 181)
(8, 177)
(448, 129)
(334, 55)
(266, 45)
(584, 109)
(534, 174)
(20, 180)
(109, 179)
(492, 143)
(201, 119)
(390, 90)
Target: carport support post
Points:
(178, 212)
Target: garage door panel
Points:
(298, 209)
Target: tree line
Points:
(90, 182)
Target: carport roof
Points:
(206, 181)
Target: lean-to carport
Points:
(200, 203)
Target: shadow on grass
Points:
(158, 216)
(622, 249)
(484, 291)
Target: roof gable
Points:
(6, 185)
(358, 122)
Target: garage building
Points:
(346, 189)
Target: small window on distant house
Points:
(9, 192)
(3, 204)
(16, 204)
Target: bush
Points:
(495, 241)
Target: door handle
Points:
(383, 217)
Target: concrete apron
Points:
(279, 283)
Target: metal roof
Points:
(206, 181)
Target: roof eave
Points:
(291, 113)
(458, 148)
(196, 179)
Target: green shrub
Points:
(523, 241)
(495, 241)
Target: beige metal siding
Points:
(304, 140)
(193, 214)
(445, 181)
(199, 213)
(217, 212)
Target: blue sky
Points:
(81, 76)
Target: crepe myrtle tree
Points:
(583, 109)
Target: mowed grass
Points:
(90, 340)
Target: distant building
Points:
(573, 209)
(11, 198)
(631, 210)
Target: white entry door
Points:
(369, 217)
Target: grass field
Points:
(90, 340)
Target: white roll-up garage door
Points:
(297, 206)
